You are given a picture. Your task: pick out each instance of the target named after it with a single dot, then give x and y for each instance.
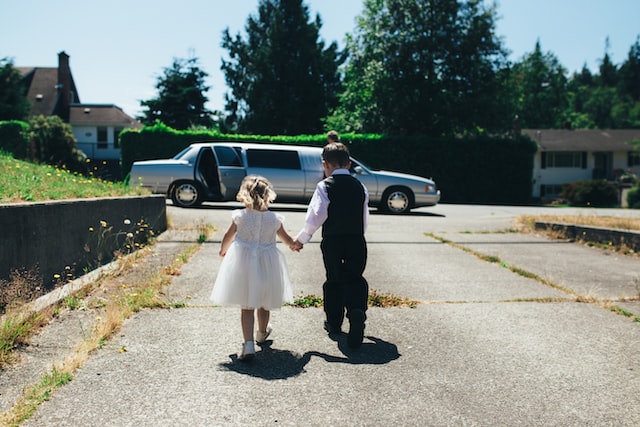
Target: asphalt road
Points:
(486, 346)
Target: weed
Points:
(17, 329)
(72, 303)
(21, 288)
(204, 230)
(305, 301)
(34, 396)
(377, 299)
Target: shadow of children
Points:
(272, 364)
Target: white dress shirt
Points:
(318, 209)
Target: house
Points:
(566, 156)
(52, 91)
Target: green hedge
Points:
(14, 138)
(633, 198)
(479, 170)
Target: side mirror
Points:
(358, 170)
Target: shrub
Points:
(13, 138)
(597, 193)
(633, 197)
(52, 142)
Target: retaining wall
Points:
(630, 239)
(60, 240)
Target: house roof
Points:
(584, 139)
(42, 91)
(100, 115)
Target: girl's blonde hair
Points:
(256, 192)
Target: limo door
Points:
(282, 168)
(230, 170)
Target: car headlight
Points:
(430, 188)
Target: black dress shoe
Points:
(332, 330)
(356, 328)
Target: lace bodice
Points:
(256, 226)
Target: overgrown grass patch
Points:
(22, 181)
(376, 299)
(34, 396)
(17, 329)
(615, 222)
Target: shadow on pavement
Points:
(273, 364)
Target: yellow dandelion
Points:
(56, 276)
(103, 224)
(91, 229)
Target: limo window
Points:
(228, 156)
(279, 159)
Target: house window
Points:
(102, 137)
(564, 159)
(633, 158)
(116, 137)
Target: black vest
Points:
(346, 206)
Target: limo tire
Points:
(396, 200)
(186, 194)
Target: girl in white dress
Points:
(253, 273)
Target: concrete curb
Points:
(630, 239)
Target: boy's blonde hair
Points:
(256, 192)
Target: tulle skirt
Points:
(252, 276)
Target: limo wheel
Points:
(186, 194)
(396, 200)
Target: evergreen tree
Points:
(541, 90)
(629, 73)
(282, 78)
(181, 98)
(13, 100)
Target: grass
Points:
(376, 299)
(526, 223)
(22, 181)
(17, 330)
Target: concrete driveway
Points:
(487, 346)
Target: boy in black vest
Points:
(340, 206)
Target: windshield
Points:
(189, 154)
(355, 163)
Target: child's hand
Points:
(222, 253)
(296, 246)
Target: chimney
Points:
(64, 87)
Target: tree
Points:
(282, 79)
(181, 97)
(13, 100)
(608, 71)
(424, 67)
(541, 90)
(629, 73)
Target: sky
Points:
(119, 48)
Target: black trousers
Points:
(345, 258)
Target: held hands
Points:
(296, 246)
